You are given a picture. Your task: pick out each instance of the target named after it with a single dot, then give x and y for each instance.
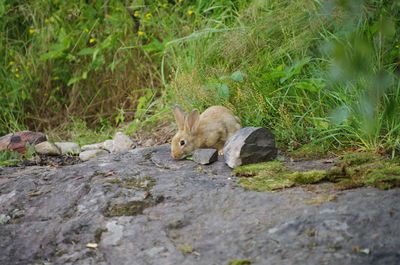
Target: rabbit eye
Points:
(182, 142)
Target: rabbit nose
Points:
(176, 155)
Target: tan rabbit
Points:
(209, 130)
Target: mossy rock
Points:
(384, 178)
(352, 170)
(265, 169)
(262, 183)
(267, 176)
(308, 177)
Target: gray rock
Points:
(108, 145)
(250, 145)
(68, 148)
(86, 155)
(205, 156)
(47, 148)
(92, 146)
(122, 142)
(192, 208)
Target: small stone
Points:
(122, 142)
(149, 142)
(4, 219)
(108, 145)
(205, 156)
(250, 145)
(92, 146)
(47, 148)
(86, 155)
(68, 148)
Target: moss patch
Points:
(267, 176)
(185, 249)
(149, 155)
(321, 199)
(351, 170)
(144, 183)
(308, 177)
(239, 262)
(98, 233)
(127, 209)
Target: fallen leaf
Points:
(365, 251)
(92, 245)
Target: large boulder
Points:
(17, 141)
(250, 145)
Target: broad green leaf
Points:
(223, 91)
(339, 115)
(238, 76)
(74, 80)
(86, 51)
(52, 55)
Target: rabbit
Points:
(209, 130)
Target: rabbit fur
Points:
(211, 129)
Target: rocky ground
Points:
(142, 207)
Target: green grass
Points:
(309, 76)
(312, 72)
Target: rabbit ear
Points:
(179, 117)
(192, 121)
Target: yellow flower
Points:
(190, 12)
(140, 33)
(117, 9)
(86, 30)
(92, 40)
(11, 63)
(46, 20)
(16, 70)
(148, 16)
(17, 75)
(31, 31)
(165, 5)
(136, 14)
(56, 78)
